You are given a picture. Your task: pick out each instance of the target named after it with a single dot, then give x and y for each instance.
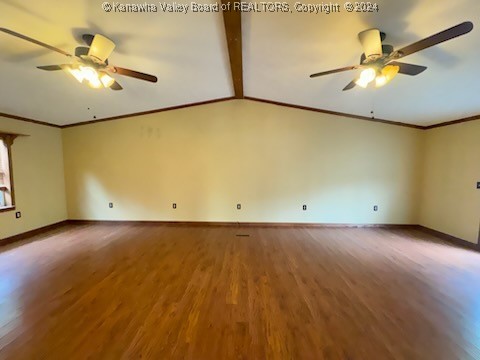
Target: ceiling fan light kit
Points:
(87, 74)
(379, 62)
(386, 75)
(381, 76)
(90, 64)
(366, 77)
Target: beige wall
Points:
(38, 178)
(450, 202)
(270, 159)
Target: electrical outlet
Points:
(375, 208)
(110, 205)
(239, 206)
(174, 205)
(304, 207)
(18, 215)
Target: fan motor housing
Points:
(81, 50)
(386, 50)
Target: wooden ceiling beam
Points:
(232, 19)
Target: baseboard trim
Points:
(450, 239)
(230, 223)
(27, 234)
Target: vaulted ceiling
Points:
(189, 55)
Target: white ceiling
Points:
(188, 54)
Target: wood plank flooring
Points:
(201, 292)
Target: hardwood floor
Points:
(193, 292)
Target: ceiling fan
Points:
(379, 62)
(90, 63)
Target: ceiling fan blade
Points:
(408, 69)
(347, 68)
(350, 85)
(371, 42)
(116, 86)
(101, 47)
(453, 32)
(134, 74)
(51, 67)
(87, 39)
(36, 42)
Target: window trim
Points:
(7, 208)
(8, 139)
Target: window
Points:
(7, 201)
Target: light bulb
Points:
(107, 80)
(366, 77)
(94, 82)
(89, 73)
(77, 74)
(361, 82)
(388, 73)
(380, 80)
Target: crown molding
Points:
(33, 121)
(266, 101)
(352, 116)
(453, 122)
(148, 112)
